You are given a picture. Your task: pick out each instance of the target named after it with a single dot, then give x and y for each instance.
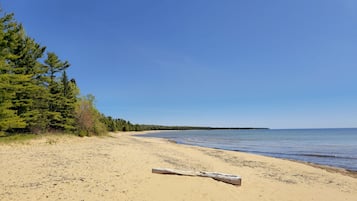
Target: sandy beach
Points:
(119, 168)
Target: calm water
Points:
(333, 147)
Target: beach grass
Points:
(17, 138)
(20, 138)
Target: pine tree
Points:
(31, 92)
(8, 115)
(55, 65)
(32, 97)
(69, 92)
(60, 117)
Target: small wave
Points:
(320, 155)
(295, 154)
(326, 156)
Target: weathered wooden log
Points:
(227, 178)
(177, 172)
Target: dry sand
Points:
(119, 168)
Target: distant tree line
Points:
(113, 125)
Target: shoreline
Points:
(118, 167)
(330, 168)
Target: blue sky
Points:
(258, 63)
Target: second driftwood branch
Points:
(227, 178)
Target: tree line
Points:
(36, 94)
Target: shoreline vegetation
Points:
(71, 168)
(36, 94)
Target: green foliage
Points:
(55, 65)
(88, 117)
(113, 125)
(21, 60)
(36, 95)
(123, 125)
(8, 115)
(32, 96)
(68, 96)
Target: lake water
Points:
(333, 147)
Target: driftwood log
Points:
(227, 178)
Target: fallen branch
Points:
(227, 178)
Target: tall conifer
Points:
(8, 114)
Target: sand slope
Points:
(119, 168)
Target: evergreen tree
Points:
(69, 93)
(8, 115)
(55, 65)
(31, 92)
(58, 89)
(32, 97)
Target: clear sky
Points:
(258, 63)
